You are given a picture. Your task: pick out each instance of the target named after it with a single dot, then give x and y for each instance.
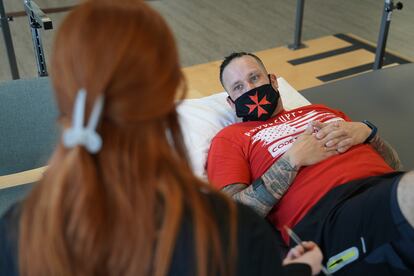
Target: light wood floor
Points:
(203, 79)
(207, 31)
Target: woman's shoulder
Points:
(257, 247)
(10, 219)
(9, 235)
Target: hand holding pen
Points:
(305, 252)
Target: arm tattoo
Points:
(387, 152)
(245, 195)
(266, 191)
(233, 189)
(279, 177)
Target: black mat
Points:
(384, 97)
(356, 45)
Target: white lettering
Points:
(279, 148)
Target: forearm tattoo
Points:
(279, 177)
(387, 152)
(266, 191)
(245, 195)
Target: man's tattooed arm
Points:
(387, 152)
(265, 191)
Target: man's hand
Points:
(342, 135)
(308, 150)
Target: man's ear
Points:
(230, 102)
(273, 81)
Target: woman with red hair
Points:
(119, 197)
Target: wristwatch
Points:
(374, 130)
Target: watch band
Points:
(374, 130)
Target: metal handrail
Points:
(382, 37)
(38, 20)
(297, 44)
(4, 25)
(383, 34)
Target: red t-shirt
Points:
(243, 152)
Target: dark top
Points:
(258, 250)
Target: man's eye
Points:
(254, 77)
(238, 87)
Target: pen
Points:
(298, 241)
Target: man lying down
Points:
(312, 169)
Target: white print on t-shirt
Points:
(281, 134)
(280, 119)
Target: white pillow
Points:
(201, 119)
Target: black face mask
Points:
(257, 104)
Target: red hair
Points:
(119, 212)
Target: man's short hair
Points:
(232, 56)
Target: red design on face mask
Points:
(258, 105)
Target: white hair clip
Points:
(80, 135)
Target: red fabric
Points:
(243, 152)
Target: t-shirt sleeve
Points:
(258, 251)
(227, 163)
(258, 248)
